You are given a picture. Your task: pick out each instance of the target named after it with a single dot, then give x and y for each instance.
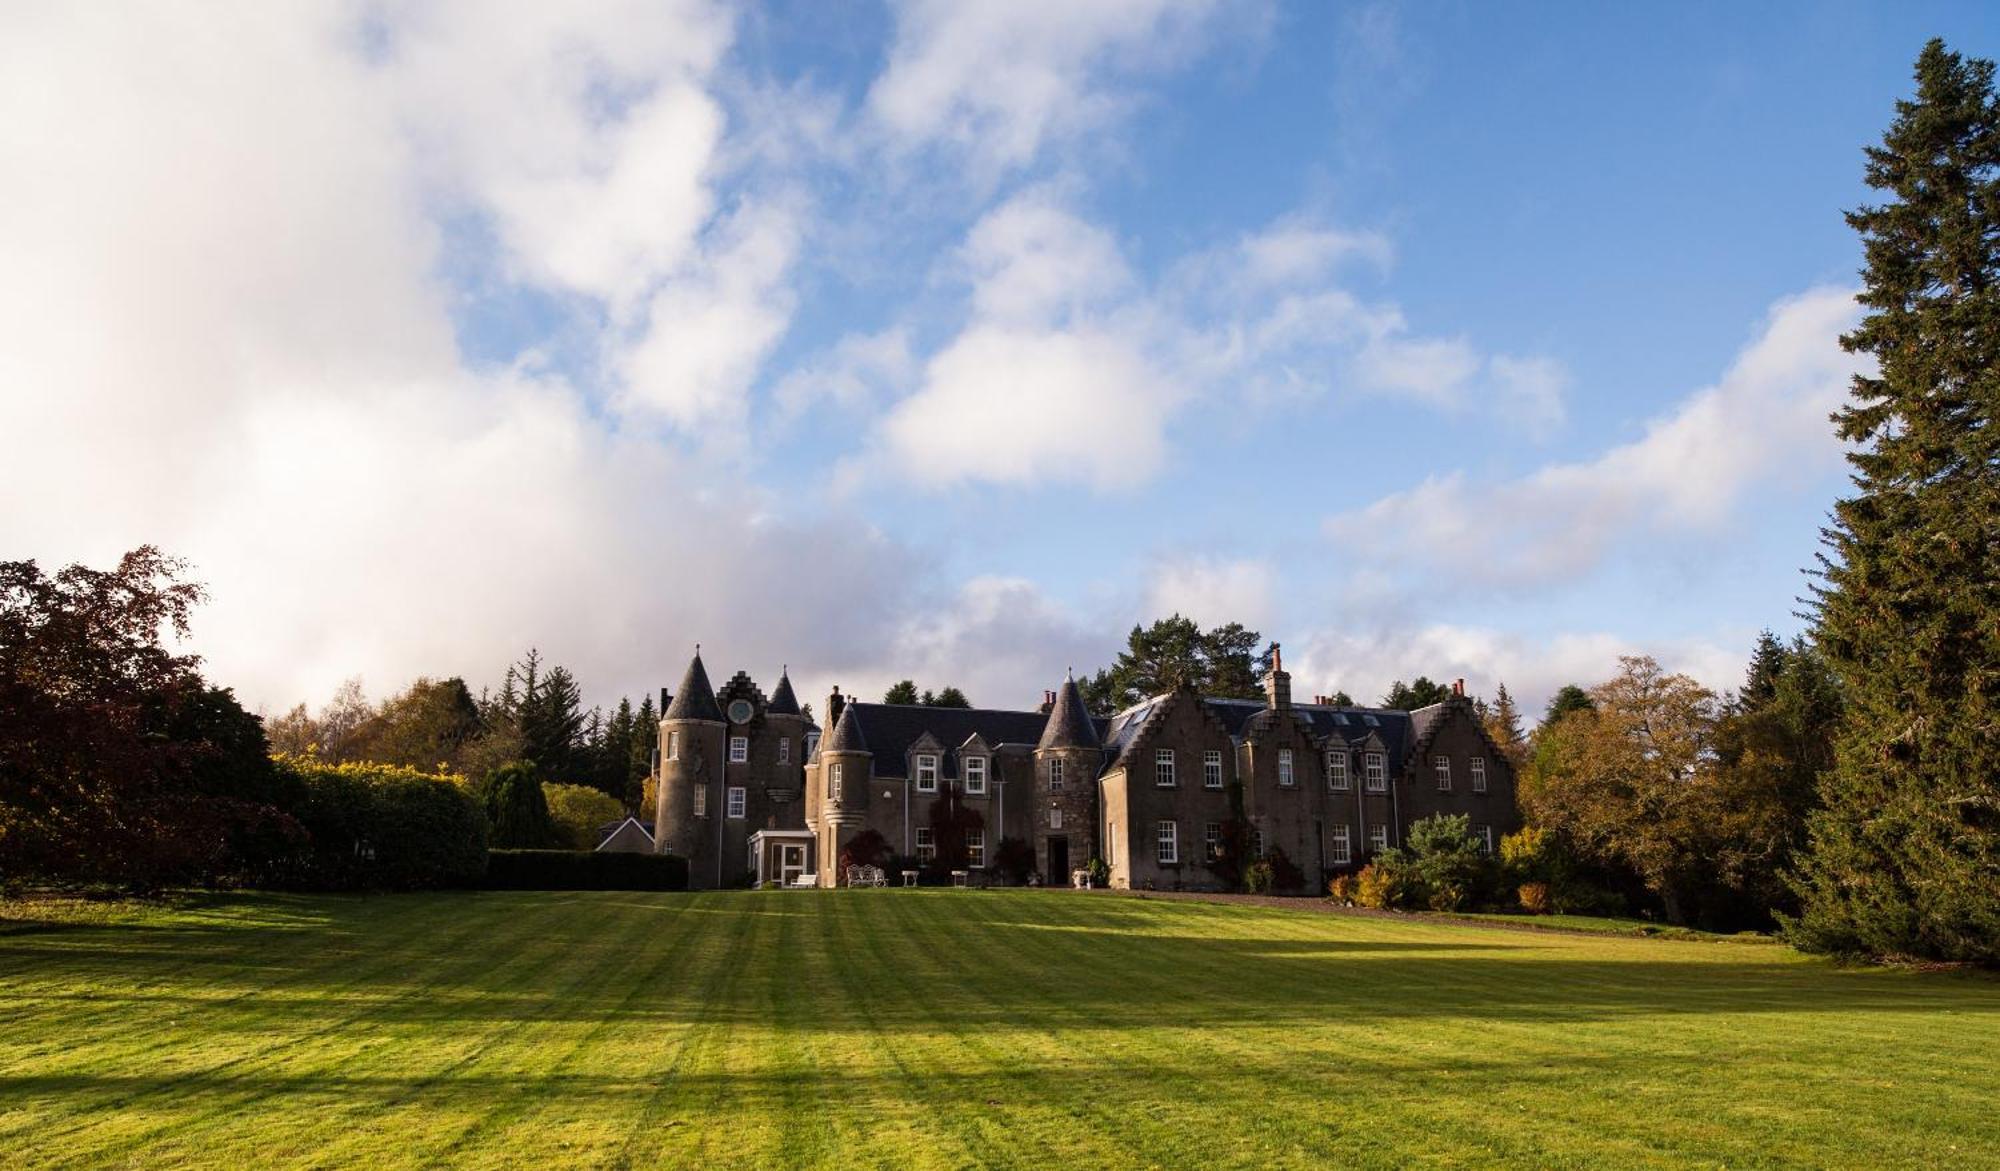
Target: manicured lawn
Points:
(951, 1028)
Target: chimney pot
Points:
(1458, 688)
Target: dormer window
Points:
(927, 765)
(975, 775)
(1375, 770)
(1336, 771)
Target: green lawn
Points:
(955, 1028)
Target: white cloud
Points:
(1001, 639)
(707, 331)
(1365, 661)
(1765, 420)
(222, 330)
(1032, 261)
(1014, 406)
(1530, 392)
(1213, 591)
(999, 82)
(853, 375)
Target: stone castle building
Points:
(750, 790)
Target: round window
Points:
(740, 711)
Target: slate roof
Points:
(846, 735)
(894, 727)
(696, 699)
(1069, 725)
(1396, 728)
(783, 702)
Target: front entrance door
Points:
(1058, 874)
(792, 863)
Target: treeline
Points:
(121, 765)
(537, 715)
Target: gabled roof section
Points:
(894, 728)
(1070, 725)
(846, 735)
(696, 699)
(1350, 725)
(783, 702)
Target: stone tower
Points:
(1064, 815)
(845, 773)
(692, 740)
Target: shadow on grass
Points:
(986, 964)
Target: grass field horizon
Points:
(951, 1028)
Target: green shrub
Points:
(1100, 874)
(516, 809)
(583, 870)
(1448, 864)
(380, 827)
(1258, 877)
(579, 813)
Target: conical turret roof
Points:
(846, 735)
(783, 702)
(696, 699)
(1069, 725)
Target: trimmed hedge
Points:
(583, 870)
(378, 827)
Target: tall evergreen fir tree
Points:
(645, 735)
(1760, 680)
(1904, 854)
(1503, 725)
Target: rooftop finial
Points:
(697, 650)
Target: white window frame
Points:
(701, 800)
(1378, 837)
(926, 847)
(739, 749)
(1163, 769)
(673, 745)
(835, 782)
(1055, 817)
(1343, 846)
(784, 750)
(1478, 769)
(1167, 843)
(927, 772)
(1375, 768)
(1055, 774)
(1441, 769)
(1485, 835)
(739, 803)
(1257, 842)
(1286, 777)
(975, 775)
(1337, 780)
(1211, 837)
(975, 849)
(1211, 769)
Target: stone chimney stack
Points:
(1278, 684)
(834, 703)
(1458, 688)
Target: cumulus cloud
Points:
(1000, 82)
(1764, 420)
(1070, 368)
(223, 330)
(1213, 590)
(1364, 661)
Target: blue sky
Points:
(943, 340)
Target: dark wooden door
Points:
(1058, 874)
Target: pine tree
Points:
(645, 735)
(1904, 854)
(903, 692)
(1503, 725)
(1409, 697)
(1760, 681)
(1570, 698)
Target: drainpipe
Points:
(1395, 813)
